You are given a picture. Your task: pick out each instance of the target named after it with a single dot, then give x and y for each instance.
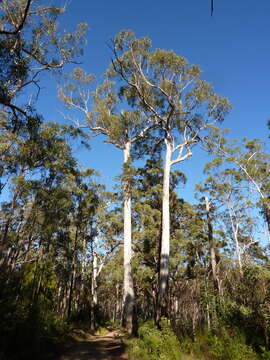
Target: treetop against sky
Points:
(231, 47)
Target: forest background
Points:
(62, 231)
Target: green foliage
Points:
(101, 330)
(246, 305)
(230, 346)
(29, 332)
(155, 344)
(265, 354)
(224, 344)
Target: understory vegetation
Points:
(222, 344)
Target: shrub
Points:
(155, 344)
(265, 355)
(28, 335)
(226, 344)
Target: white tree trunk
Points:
(94, 291)
(238, 253)
(128, 295)
(118, 304)
(94, 279)
(212, 245)
(235, 228)
(165, 240)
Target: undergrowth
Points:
(28, 335)
(154, 344)
(222, 344)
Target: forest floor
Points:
(108, 346)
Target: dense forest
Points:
(186, 280)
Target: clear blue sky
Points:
(232, 48)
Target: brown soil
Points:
(108, 346)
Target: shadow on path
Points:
(100, 347)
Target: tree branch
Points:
(21, 25)
(44, 63)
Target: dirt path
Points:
(108, 346)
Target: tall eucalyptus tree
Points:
(170, 93)
(112, 117)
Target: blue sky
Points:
(232, 47)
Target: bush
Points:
(265, 355)
(28, 335)
(226, 344)
(155, 344)
(230, 346)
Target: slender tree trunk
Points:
(73, 275)
(118, 304)
(235, 228)
(165, 240)
(94, 291)
(71, 288)
(212, 246)
(128, 295)
(65, 299)
(59, 297)
(238, 254)
(156, 289)
(83, 276)
(208, 316)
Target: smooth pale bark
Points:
(118, 303)
(94, 279)
(208, 316)
(212, 245)
(165, 239)
(73, 275)
(235, 228)
(214, 269)
(94, 291)
(117, 306)
(238, 254)
(128, 294)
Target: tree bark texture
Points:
(165, 239)
(212, 246)
(94, 291)
(128, 294)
